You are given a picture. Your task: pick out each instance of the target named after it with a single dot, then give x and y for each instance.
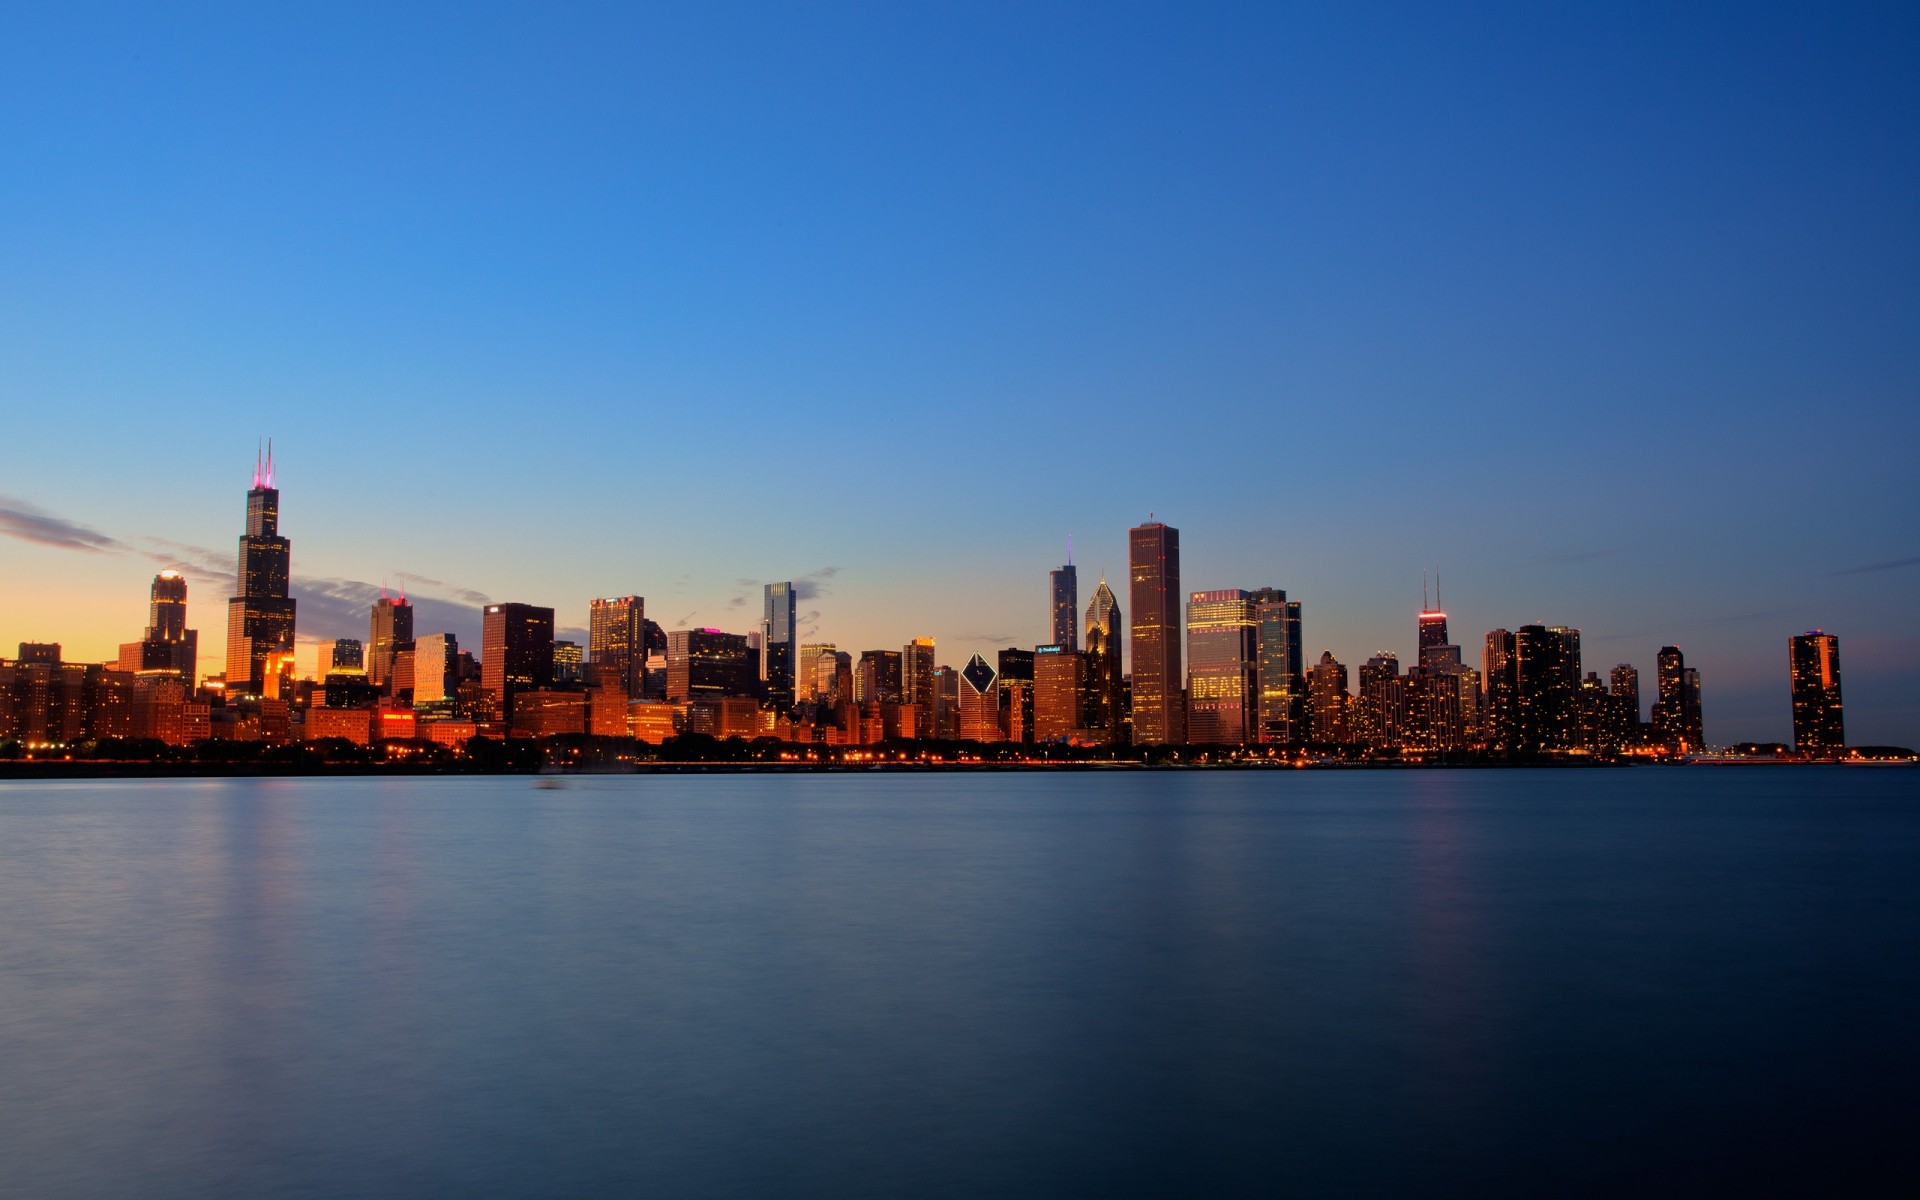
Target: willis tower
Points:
(260, 618)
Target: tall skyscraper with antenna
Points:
(1063, 592)
(260, 617)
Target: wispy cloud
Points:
(195, 562)
(1892, 564)
(30, 523)
(1000, 639)
(813, 584)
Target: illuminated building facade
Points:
(778, 645)
(516, 652)
(260, 618)
(617, 642)
(1159, 700)
(1819, 718)
(1016, 693)
(1059, 686)
(1626, 691)
(1101, 710)
(436, 672)
(1280, 677)
(1677, 718)
(1376, 715)
(389, 630)
(1327, 690)
(1063, 595)
(878, 678)
(168, 646)
(916, 680)
(1222, 667)
(1500, 669)
(979, 702)
(1547, 665)
(569, 664)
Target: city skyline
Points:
(1674, 713)
(1560, 301)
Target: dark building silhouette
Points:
(1677, 719)
(878, 678)
(168, 646)
(1327, 687)
(260, 618)
(1063, 594)
(1159, 699)
(1548, 670)
(1016, 692)
(1280, 674)
(516, 653)
(1819, 719)
(1500, 725)
(778, 647)
(709, 663)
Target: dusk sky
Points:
(1611, 311)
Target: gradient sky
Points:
(1612, 311)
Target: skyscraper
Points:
(1063, 591)
(1376, 717)
(516, 652)
(1100, 709)
(1059, 690)
(168, 644)
(1327, 684)
(388, 631)
(1159, 700)
(617, 643)
(709, 663)
(1676, 714)
(979, 702)
(916, 681)
(1501, 727)
(436, 678)
(1016, 692)
(1222, 667)
(778, 645)
(1819, 718)
(1548, 670)
(1281, 675)
(260, 617)
(1626, 691)
(877, 679)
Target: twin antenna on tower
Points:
(263, 468)
(1436, 590)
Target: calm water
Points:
(1114, 984)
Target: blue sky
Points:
(1609, 311)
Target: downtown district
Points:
(1230, 682)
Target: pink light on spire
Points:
(269, 476)
(257, 475)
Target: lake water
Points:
(1117, 983)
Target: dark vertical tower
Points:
(169, 645)
(777, 645)
(1676, 713)
(1626, 693)
(916, 683)
(1159, 700)
(1501, 729)
(1819, 720)
(389, 630)
(1433, 625)
(1281, 683)
(516, 652)
(1548, 662)
(260, 617)
(1063, 592)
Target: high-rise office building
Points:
(1222, 667)
(343, 656)
(1100, 708)
(1159, 700)
(878, 679)
(703, 663)
(436, 672)
(1327, 686)
(260, 618)
(1819, 718)
(1063, 593)
(168, 646)
(916, 681)
(1626, 692)
(778, 644)
(1059, 689)
(1500, 729)
(516, 652)
(389, 629)
(979, 702)
(1548, 701)
(1281, 675)
(617, 643)
(1376, 716)
(569, 664)
(1016, 692)
(946, 702)
(1676, 713)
